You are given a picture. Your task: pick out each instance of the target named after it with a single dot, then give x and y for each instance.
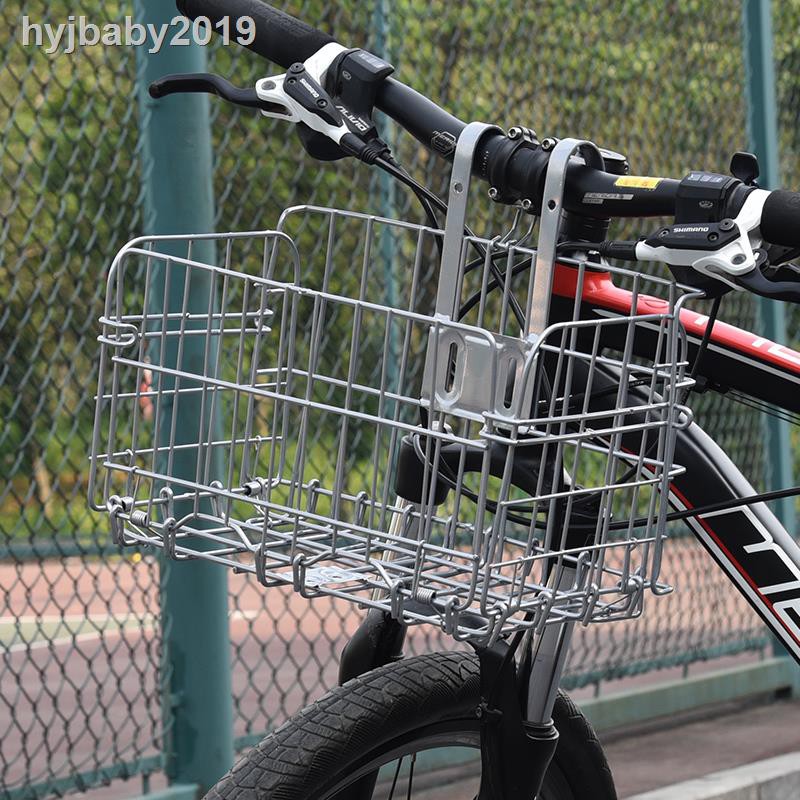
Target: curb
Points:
(773, 779)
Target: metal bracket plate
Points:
(552, 205)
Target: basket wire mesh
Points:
(461, 493)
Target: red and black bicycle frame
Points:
(748, 542)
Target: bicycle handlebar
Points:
(780, 218)
(284, 40)
(279, 37)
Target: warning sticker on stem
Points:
(637, 182)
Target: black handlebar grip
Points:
(780, 218)
(279, 37)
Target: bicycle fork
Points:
(518, 738)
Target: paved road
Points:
(652, 759)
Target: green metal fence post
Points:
(762, 120)
(387, 190)
(382, 21)
(178, 198)
(763, 131)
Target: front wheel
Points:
(395, 720)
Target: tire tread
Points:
(292, 762)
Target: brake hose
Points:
(426, 197)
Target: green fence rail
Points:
(96, 683)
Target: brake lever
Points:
(779, 255)
(756, 282)
(208, 83)
(782, 272)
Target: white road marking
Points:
(118, 624)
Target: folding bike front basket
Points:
(289, 403)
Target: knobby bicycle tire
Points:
(392, 710)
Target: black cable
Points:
(703, 346)
(475, 298)
(446, 474)
(763, 407)
(710, 508)
(516, 269)
(584, 247)
(396, 171)
(426, 197)
(698, 359)
(516, 243)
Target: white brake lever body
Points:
(736, 257)
(273, 90)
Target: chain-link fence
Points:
(80, 631)
(786, 23)
(80, 701)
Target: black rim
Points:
(452, 733)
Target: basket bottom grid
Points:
(522, 587)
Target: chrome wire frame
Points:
(312, 358)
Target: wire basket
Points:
(280, 402)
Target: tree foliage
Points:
(662, 82)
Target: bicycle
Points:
(521, 481)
